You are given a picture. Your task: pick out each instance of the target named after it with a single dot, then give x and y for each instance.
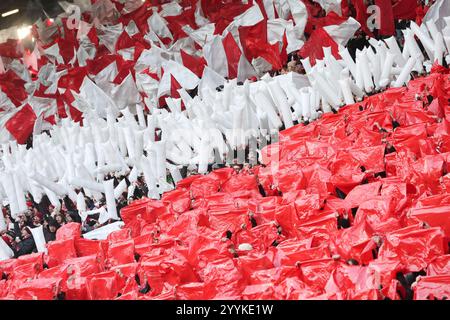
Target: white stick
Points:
(120, 189)
(8, 185)
(263, 102)
(386, 73)
(367, 75)
(20, 194)
(395, 50)
(405, 74)
(326, 90)
(345, 86)
(110, 201)
(438, 48)
(141, 117)
(54, 187)
(86, 184)
(305, 103)
(424, 38)
(281, 103)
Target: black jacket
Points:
(49, 236)
(26, 246)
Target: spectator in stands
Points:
(20, 222)
(121, 202)
(36, 221)
(90, 205)
(91, 223)
(60, 220)
(26, 244)
(50, 230)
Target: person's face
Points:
(52, 229)
(69, 218)
(36, 220)
(24, 234)
(58, 219)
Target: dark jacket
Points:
(49, 236)
(26, 246)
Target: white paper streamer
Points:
(120, 189)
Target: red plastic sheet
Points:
(313, 46)
(439, 266)
(86, 247)
(414, 247)
(433, 287)
(59, 251)
(102, 286)
(21, 124)
(435, 216)
(69, 231)
(39, 289)
(121, 252)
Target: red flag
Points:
(14, 87)
(73, 79)
(284, 54)
(74, 112)
(51, 119)
(387, 26)
(124, 41)
(271, 53)
(174, 86)
(255, 44)
(138, 49)
(195, 64)
(10, 49)
(362, 16)
(61, 107)
(125, 68)
(97, 65)
(233, 54)
(21, 124)
(92, 35)
(139, 16)
(223, 15)
(313, 48)
(404, 9)
(67, 44)
(251, 39)
(176, 23)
